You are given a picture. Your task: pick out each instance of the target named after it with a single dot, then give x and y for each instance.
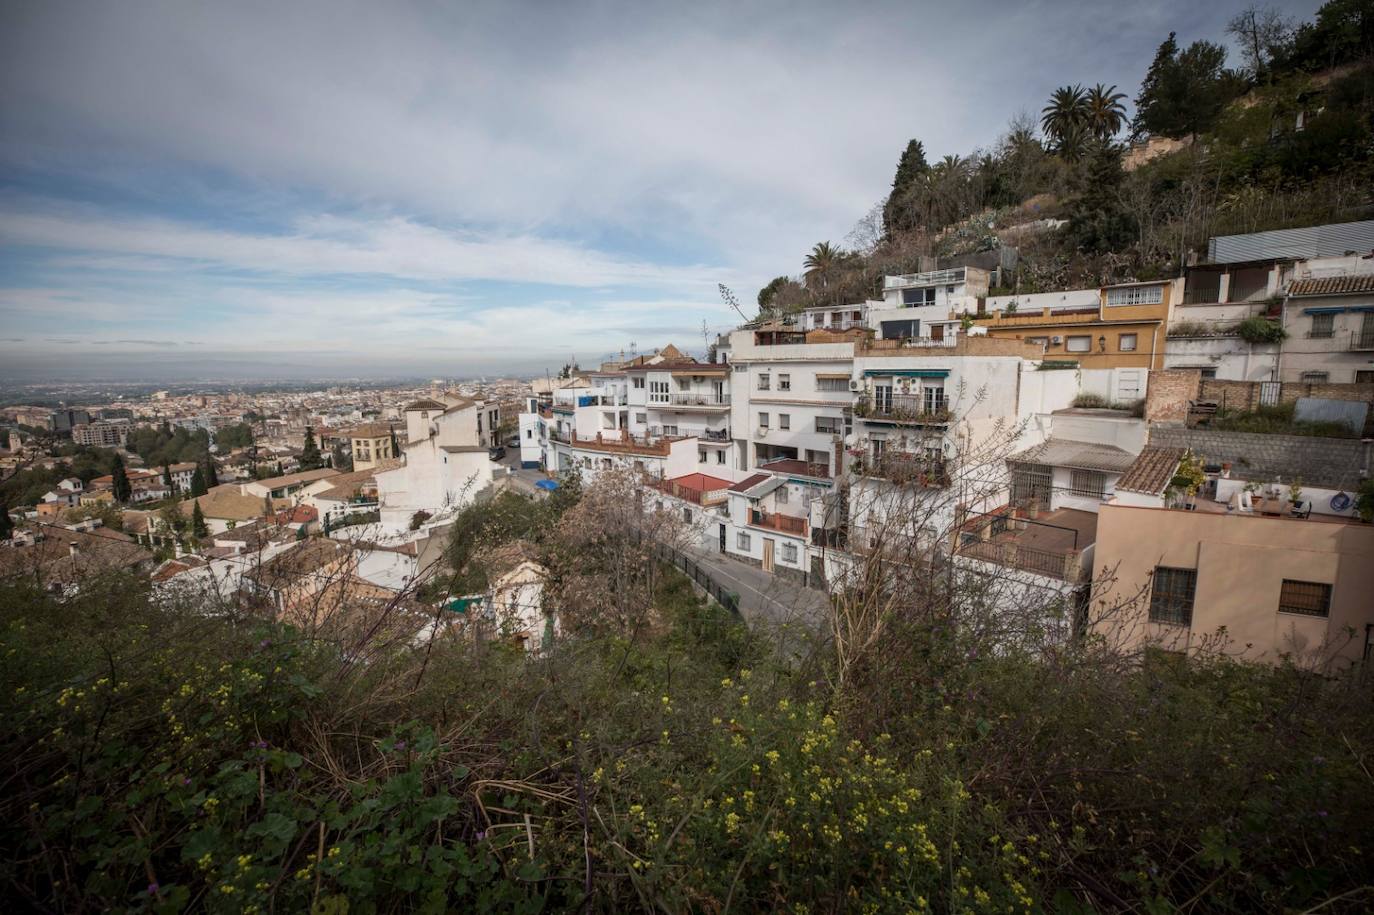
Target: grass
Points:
(1278, 420)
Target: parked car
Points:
(497, 453)
(513, 442)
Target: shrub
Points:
(1258, 330)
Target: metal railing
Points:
(701, 575)
(951, 276)
(1362, 340)
(898, 467)
(906, 408)
(700, 400)
(688, 493)
(994, 538)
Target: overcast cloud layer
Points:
(464, 188)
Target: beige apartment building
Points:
(1253, 585)
(371, 444)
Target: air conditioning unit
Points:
(763, 432)
(1056, 340)
(855, 385)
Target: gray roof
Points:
(1062, 452)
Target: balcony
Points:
(1362, 340)
(704, 497)
(1058, 544)
(773, 521)
(688, 399)
(904, 408)
(951, 277)
(603, 400)
(906, 470)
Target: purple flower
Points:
(1321, 813)
(152, 889)
(400, 744)
(481, 835)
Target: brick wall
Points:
(1168, 394)
(1328, 463)
(1245, 395)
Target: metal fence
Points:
(701, 575)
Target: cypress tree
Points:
(198, 487)
(310, 453)
(911, 169)
(122, 489)
(198, 528)
(396, 446)
(6, 524)
(167, 478)
(211, 474)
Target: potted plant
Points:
(1294, 493)
(1188, 478)
(1226, 470)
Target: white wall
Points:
(1119, 385)
(1035, 301)
(1127, 433)
(431, 480)
(531, 450)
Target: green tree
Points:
(167, 478)
(823, 265)
(6, 523)
(198, 528)
(311, 458)
(340, 459)
(912, 169)
(1066, 113)
(122, 490)
(1343, 32)
(768, 292)
(396, 445)
(1183, 93)
(1098, 221)
(1104, 112)
(211, 473)
(198, 487)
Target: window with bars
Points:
(1310, 598)
(784, 420)
(1322, 326)
(765, 382)
(1091, 483)
(1171, 595)
(832, 384)
(1315, 377)
(1136, 295)
(784, 381)
(789, 552)
(741, 541)
(829, 425)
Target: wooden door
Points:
(937, 331)
(767, 554)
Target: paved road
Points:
(764, 599)
(521, 479)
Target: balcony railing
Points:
(905, 469)
(904, 408)
(950, 277)
(700, 400)
(1066, 566)
(714, 435)
(603, 400)
(1361, 340)
(692, 494)
(775, 522)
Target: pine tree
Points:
(6, 524)
(211, 473)
(341, 461)
(122, 490)
(395, 445)
(310, 453)
(198, 528)
(912, 169)
(198, 487)
(167, 479)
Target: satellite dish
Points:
(1340, 502)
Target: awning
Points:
(1361, 308)
(1335, 310)
(906, 373)
(833, 376)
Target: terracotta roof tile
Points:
(750, 482)
(1151, 471)
(1333, 285)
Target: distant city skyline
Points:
(310, 189)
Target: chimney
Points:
(73, 548)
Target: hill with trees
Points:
(1090, 195)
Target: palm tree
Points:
(1067, 109)
(1073, 143)
(1105, 113)
(822, 263)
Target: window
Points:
(1079, 344)
(765, 381)
(658, 392)
(687, 515)
(701, 455)
(669, 430)
(639, 383)
(1310, 598)
(789, 552)
(913, 298)
(828, 425)
(1091, 483)
(832, 384)
(1315, 377)
(763, 420)
(720, 455)
(1136, 295)
(1171, 595)
(740, 367)
(529, 433)
(742, 541)
(784, 381)
(780, 496)
(784, 420)
(1126, 343)
(1364, 377)
(1322, 326)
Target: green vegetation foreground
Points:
(162, 760)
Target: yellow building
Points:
(1125, 329)
(371, 445)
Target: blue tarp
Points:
(550, 485)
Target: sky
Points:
(289, 189)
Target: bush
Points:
(1258, 330)
(1278, 419)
